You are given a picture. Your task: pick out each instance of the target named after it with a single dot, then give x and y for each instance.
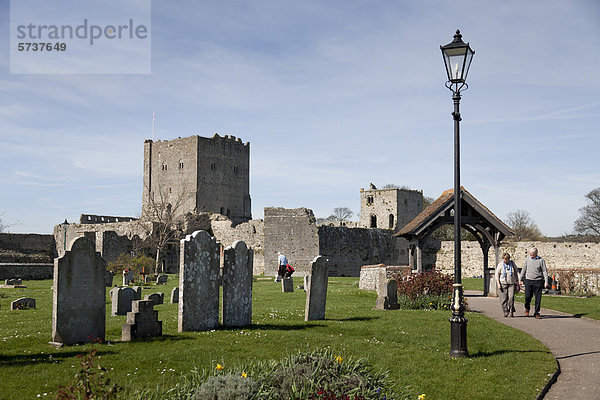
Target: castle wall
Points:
(251, 232)
(26, 271)
(26, 248)
(568, 255)
(294, 233)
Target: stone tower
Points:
(389, 208)
(204, 174)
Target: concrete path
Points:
(574, 342)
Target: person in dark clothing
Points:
(289, 270)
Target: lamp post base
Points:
(458, 324)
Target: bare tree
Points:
(4, 225)
(523, 226)
(164, 210)
(341, 214)
(589, 220)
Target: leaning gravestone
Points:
(175, 295)
(121, 300)
(287, 285)
(316, 289)
(237, 285)
(127, 277)
(157, 298)
(142, 321)
(198, 283)
(161, 279)
(23, 303)
(79, 294)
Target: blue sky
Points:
(332, 95)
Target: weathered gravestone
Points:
(175, 295)
(13, 282)
(23, 303)
(287, 285)
(127, 277)
(109, 278)
(199, 283)
(156, 298)
(237, 285)
(121, 299)
(79, 294)
(387, 292)
(306, 282)
(138, 292)
(316, 292)
(142, 321)
(161, 279)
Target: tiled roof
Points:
(441, 204)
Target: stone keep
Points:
(142, 321)
(79, 294)
(121, 299)
(237, 285)
(199, 283)
(316, 290)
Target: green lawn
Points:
(412, 345)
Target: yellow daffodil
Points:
(244, 375)
(338, 359)
(219, 367)
(421, 397)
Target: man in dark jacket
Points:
(535, 276)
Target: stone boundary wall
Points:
(252, 233)
(31, 271)
(567, 255)
(369, 274)
(26, 248)
(582, 281)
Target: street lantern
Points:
(457, 59)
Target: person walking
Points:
(535, 276)
(282, 263)
(507, 278)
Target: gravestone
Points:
(138, 292)
(147, 279)
(198, 283)
(127, 277)
(13, 282)
(387, 293)
(109, 278)
(237, 285)
(142, 321)
(306, 282)
(161, 279)
(175, 295)
(79, 294)
(316, 289)
(22, 304)
(121, 299)
(113, 292)
(156, 298)
(287, 285)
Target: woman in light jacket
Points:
(507, 278)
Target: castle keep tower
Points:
(205, 174)
(389, 208)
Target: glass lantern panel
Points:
(455, 62)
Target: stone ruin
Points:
(79, 295)
(316, 289)
(199, 284)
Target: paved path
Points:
(574, 342)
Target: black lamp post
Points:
(457, 59)
(64, 228)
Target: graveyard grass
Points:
(588, 307)
(412, 345)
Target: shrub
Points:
(227, 387)
(428, 290)
(138, 264)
